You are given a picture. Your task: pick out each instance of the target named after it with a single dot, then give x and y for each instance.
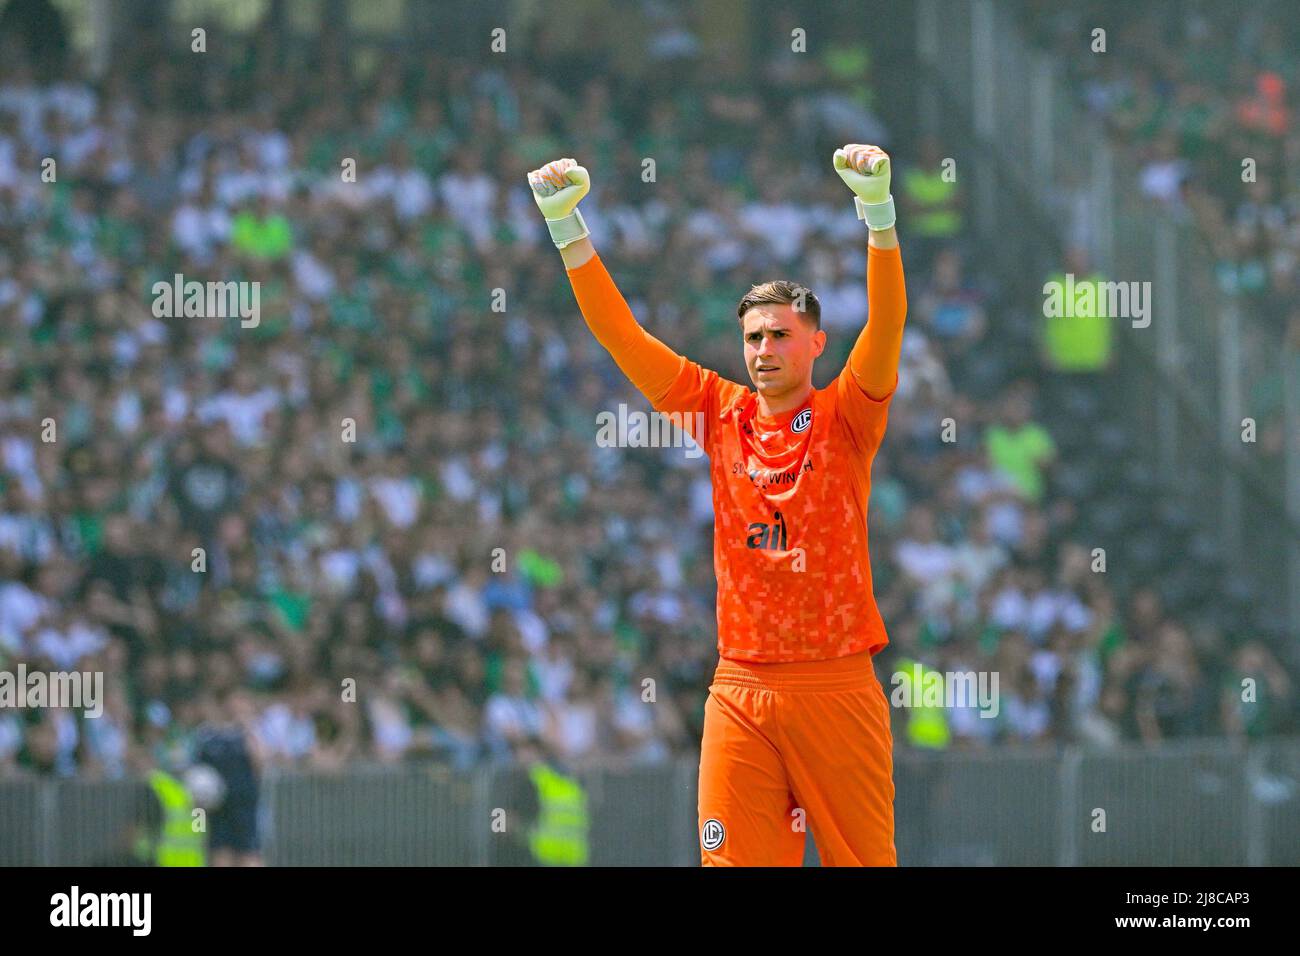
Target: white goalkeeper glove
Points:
(557, 188)
(865, 170)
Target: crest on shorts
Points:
(712, 834)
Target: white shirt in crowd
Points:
(1162, 180)
(464, 605)
(392, 731)
(469, 200)
(1038, 613)
(506, 716)
(313, 278)
(408, 189)
(198, 231)
(243, 413)
(844, 306)
(577, 728)
(65, 647)
(554, 675)
(781, 225)
(399, 497)
(20, 609)
(285, 733)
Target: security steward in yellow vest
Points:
(1078, 339)
(927, 726)
(176, 842)
(930, 190)
(557, 832)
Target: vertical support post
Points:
(1291, 415)
(984, 100)
(685, 837)
(100, 15)
(1230, 413)
(47, 801)
(927, 48)
(481, 813)
(1068, 849)
(1042, 85)
(1165, 316)
(1256, 837)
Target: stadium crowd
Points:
(412, 545)
(1195, 96)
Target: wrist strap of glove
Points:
(877, 215)
(569, 229)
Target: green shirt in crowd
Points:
(269, 238)
(1018, 453)
(1080, 339)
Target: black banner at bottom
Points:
(334, 905)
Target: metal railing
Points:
(1194, 803)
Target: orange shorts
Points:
(793, 747)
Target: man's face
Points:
(780, 346)
(1017, 410)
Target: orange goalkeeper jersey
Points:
(790, 492)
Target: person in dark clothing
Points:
(226, 745)
(517, 797)
(38, 29)
(135, 842)
(204, 483)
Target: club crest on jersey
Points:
(801, 421)
(712, 834)
(768, 537)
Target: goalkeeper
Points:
(796, 726)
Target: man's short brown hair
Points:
(783, 292)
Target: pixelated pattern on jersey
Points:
(790, 517)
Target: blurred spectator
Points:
(1019, 447)
(228, 745)
(1077, 328)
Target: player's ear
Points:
(819, 342)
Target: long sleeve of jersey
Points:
(650, 365)
(874, 359)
